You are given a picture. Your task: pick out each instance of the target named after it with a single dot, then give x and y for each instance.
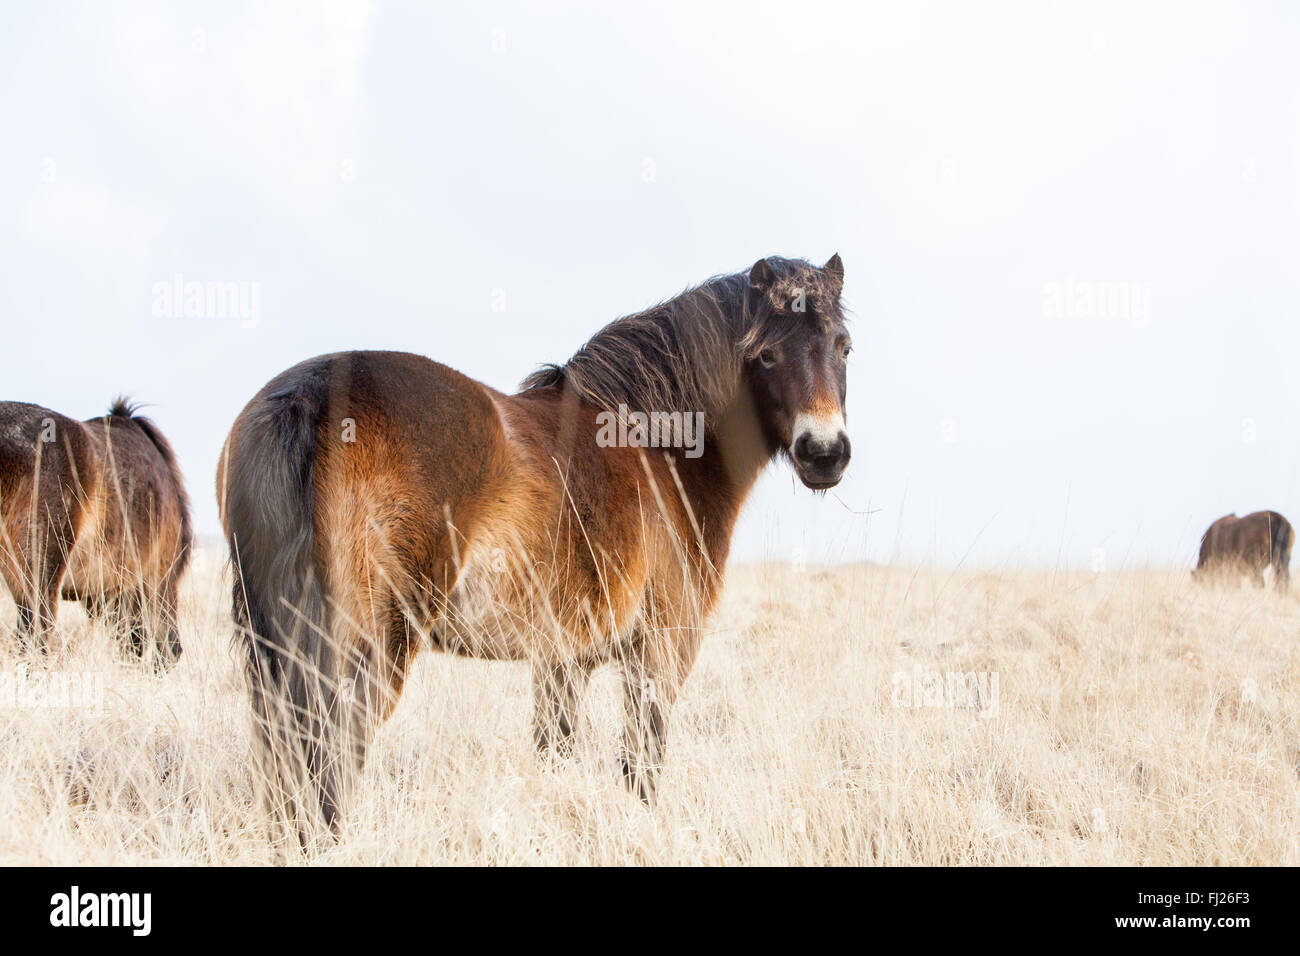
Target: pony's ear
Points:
(761, 276)
(834, 270)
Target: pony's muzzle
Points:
(820, 456)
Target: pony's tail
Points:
(1203, 555)
(280, 608)
(1282, 540)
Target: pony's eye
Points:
(847, 350)
(767, 357)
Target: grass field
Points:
(1128, 718)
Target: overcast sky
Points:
(1071, 232)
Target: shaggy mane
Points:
(688, 353)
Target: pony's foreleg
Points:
(558, 688)
(38, 609)
(653, 672)
(45, 562)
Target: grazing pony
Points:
(95, 512)
(376, 500)
(1247, 546)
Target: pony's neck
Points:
(741, 448)
(720, 480)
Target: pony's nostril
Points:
(821, 453)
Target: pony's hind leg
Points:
(160, 626)
(145, 618)
(96, 606)
(372, 664)
(558, 689)
(126, 616)
(34, 624)
(168, 636)
(36, 619)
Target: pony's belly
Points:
(481, 621)
(104, 561)
(492, 614)
(89, 571)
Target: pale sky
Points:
(1071, 232)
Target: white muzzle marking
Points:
(820, 429)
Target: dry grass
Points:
(1137, 720)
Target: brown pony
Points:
(373, 500)
(1247, 546)
(94, 512)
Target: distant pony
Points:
(377, 500)
(1248, 545)
(94, 512)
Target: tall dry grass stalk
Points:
(1127, 718)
